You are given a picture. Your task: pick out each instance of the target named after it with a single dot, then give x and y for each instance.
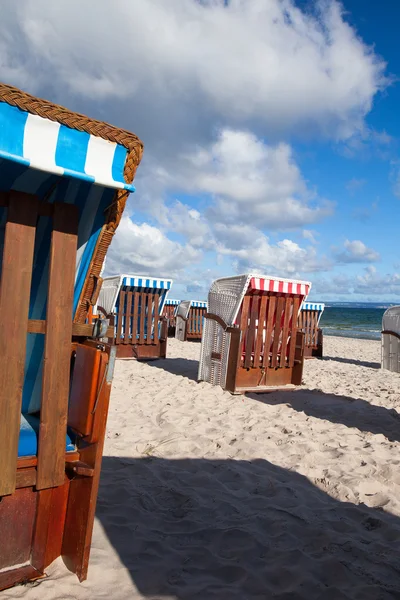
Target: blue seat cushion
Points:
(28, 437)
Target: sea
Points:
(352, 319)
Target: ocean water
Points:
(354, 320)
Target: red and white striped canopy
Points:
(285, 286)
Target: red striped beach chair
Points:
(251, 341)
(64, 180)
(137, 303)
(309, 318)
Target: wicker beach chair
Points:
(309, 318)
(250, 340)
(169, 312)
(64, 180)
(190, 320)
(391, 339)
(138, 304)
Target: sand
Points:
(204, 495)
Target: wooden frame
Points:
(266, 349)
(48, 501)
(313, 336)
(169, 314)
(137, 335)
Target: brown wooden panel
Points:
(277, 332)
(285, 332)
(136, 300)
(252, 331)
(17, 518)
(244, 317)
(121, 314)
(142, 316)
(25, 478)
(15, 288)
(127, 322)
(261, 323)
(156, 317)
(57, 349)
(83, 389)
(78, 329)
(293, 334)
(56, 520)
(149, 317)
(269, 329)
(20, 575)
(83, 495)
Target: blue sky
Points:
(271, 131)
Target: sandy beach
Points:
(204, 495)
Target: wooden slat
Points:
(285, 332)
(292, 349)
(268, 331)
(244, 325)
(252, 331)
(261, 321)
(78, 329)
(127, 322)
(121, 312)
(16, 278)
(156, 317)
(135, 316)
(142, 316)
(57, 349)
(277, 332)
(149, 317)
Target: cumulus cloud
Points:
(172, 69)
(146, 250)
(356, 252)
(252, 251)
(249, 181)
(373, 283)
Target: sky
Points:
(271, 131)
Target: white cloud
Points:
(145, 250)
(173, 69)
(373, 283)
(250, 181)
(355, 184)
(356, 252)
(310, 236)
(252, 251)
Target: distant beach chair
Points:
(190, 319)
(137, 303)
(170, 308)
(391, 339)
(309, 318)
(251, 340)
(64, 180)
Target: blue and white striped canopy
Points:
(198, 304)
(45, 145)
(109, 293)
(171, 302)
(56, 163)
(313, 306)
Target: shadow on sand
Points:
(351, 412)
(178, 366)
(353, 361)
(197, 529)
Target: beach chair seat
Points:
(28, 437)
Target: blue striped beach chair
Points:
(190, 320)
(309, 318)
(138, 303)
(170, 308)
(64, 180)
